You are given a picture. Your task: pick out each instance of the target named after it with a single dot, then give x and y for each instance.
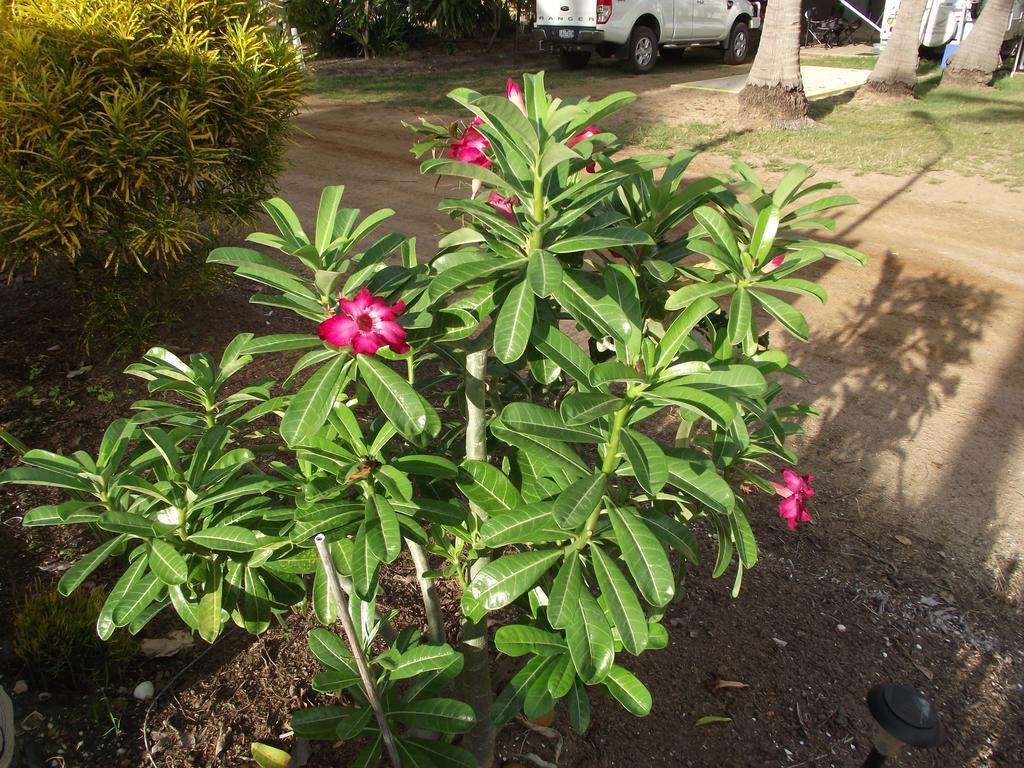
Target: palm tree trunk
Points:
(895, 72)
(774, 88)
(976, 60)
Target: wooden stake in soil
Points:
(357, 652)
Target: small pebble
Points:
(841, 627)
(20, 687)
(143, 691)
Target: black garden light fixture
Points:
(903, 718)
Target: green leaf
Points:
(435, 754)
(318, 722)
(105, 624)
(323, 604)
(226, 538)
(427, 658)
(331, 651)
(167, 563)
(622, 602)
(764, 234)
(208, 615)
(579, 501)
(613, 370)
(521, 639)
(647, 460)
(579, 707)
(561, 678)
(718, 229)
(330, 199)
(444, 715)
(310, 406)
(612, 237)
(694, 475)
(743, 537)
(790, 317)
(644, 556)
(589, 639)
(529, 524)
(487, 486)
(544, 273)
(126, 522)
(562, 350)
(673, 533)
(80, 571)
(586, 407)
(508, 577)
(539, 421)
(515, 319)
(389, 528)
(740, 314)
(628, 691)
(395, 397)
(270, 757)
(564, 595)
(689, 294)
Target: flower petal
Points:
(366, 344)
(338, 330)
(515, 94)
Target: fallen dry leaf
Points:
(161, 647)
(711, 719)
(903, 540)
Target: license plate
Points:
(567, 34)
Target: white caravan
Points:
(635, 30)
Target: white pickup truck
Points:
(635, 30)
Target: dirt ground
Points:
(910, 573)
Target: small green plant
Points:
(56, 637)
(101, 393)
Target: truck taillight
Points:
(604, 11)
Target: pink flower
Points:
(774, 263)
(796, 489)
(470, 148)
(515, 94)
(503, 205)
(589, 132)
(366, 323)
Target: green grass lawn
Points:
(966, 131)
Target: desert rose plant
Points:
(546, 414)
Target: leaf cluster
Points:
(134, 128)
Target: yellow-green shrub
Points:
(134, 128)
(55, 636)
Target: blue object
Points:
(946, 54)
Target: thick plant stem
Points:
(476, 673)
(357, 652)
(431, 602)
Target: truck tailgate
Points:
(567, 13)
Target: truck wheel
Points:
(738, 47)
(573, 59)
(641, 50)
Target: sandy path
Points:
(917, 362)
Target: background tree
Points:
(895, 72)
(774, 88)
(976, 60)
